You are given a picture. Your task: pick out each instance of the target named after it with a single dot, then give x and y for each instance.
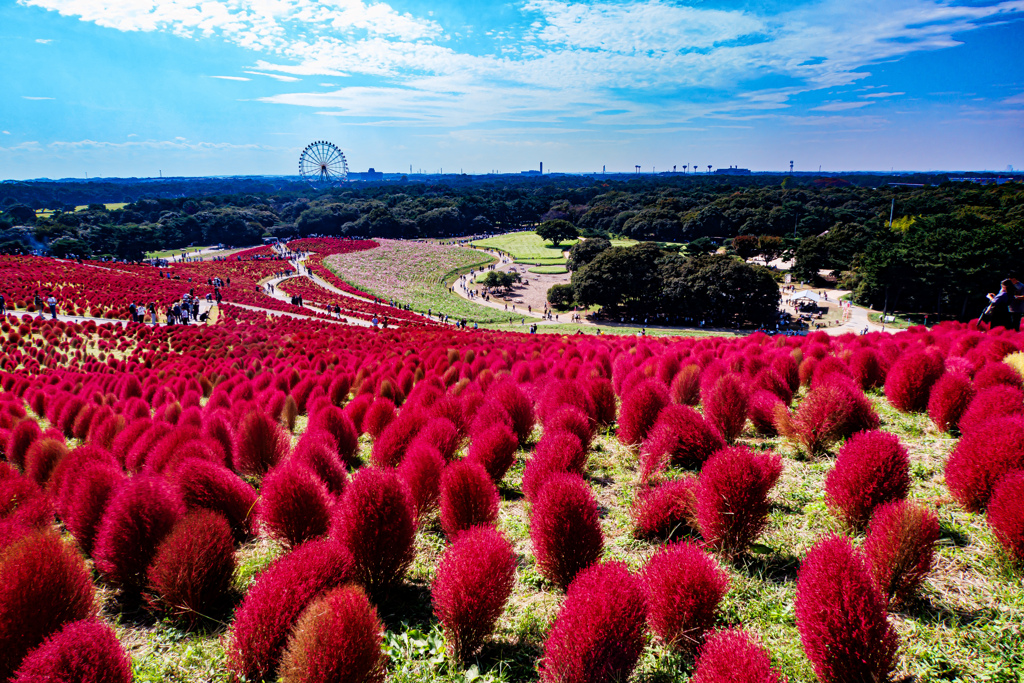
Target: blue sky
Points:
(139, 87)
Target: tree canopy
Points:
(557, 231)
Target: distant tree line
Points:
(949, 243)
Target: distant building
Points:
(732, 170)
(371, 174)
(533, 172)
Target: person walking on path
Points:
(3, 305)
(52, 303)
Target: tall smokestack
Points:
(542, 168)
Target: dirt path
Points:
(858, 319)
(527, 299)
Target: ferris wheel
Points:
(322, 164)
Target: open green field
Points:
(418, 274)
(549, 270)
(116, 206)
(524, 246)
(171, 253)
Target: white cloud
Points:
(7, 132)
(573, 59)
(232, 78)
(840, 106)
(44, 41)
(26, 97)
(279, 77)
(883, 94)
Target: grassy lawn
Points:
(116, 206)
(171, 253)
(549, 270)
(524, 246)
(418, 274)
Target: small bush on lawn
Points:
(683, 586)
(901, 548)
(565, 529)
(376, 522)
(270, 609)
(667, 510)
(598, 635)
(84, 651)
(732, 497)
(872, 468)
(44, 584)
(337, 638)
(734, 656)
(1006, 514)
(474, 581)
(841, 616)
(192, 570)
(468, 498)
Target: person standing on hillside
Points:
(1017, 302)
(52, 303)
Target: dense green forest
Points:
(947, 246)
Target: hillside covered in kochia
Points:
(948, 246)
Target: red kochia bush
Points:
(867, 368)
(337, 638)
(901, 547)
(294, 505)
(725, 405)
(316, 451)
(24, 434)
(468, 497)
(1006, 514)
(872, 468)
(732, 497)
(598, 635)
(336, 423)
(910, 380)
(685, 388)
(85, 499)
(982, 457)
(514, 403)
(683, 585)
(833, 410)
(42, 457)
(494, 449)
(84, 651)
(556, 452)
(260, 443)
(141, 513)
(998, 400)
(997, 373)
(734, 656)
(273, 604)
(473, 583)
(421, 470)
(565, 529)
(44, 584)
(603, 396)
(571, 419)
(376, 522)
(639, 411)
(949, 398)
(206, 485)
(680, 437)
(841, 616)
(441, 433)
(23, 502)
(666, 510)
(378, 415)
(191, 572)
